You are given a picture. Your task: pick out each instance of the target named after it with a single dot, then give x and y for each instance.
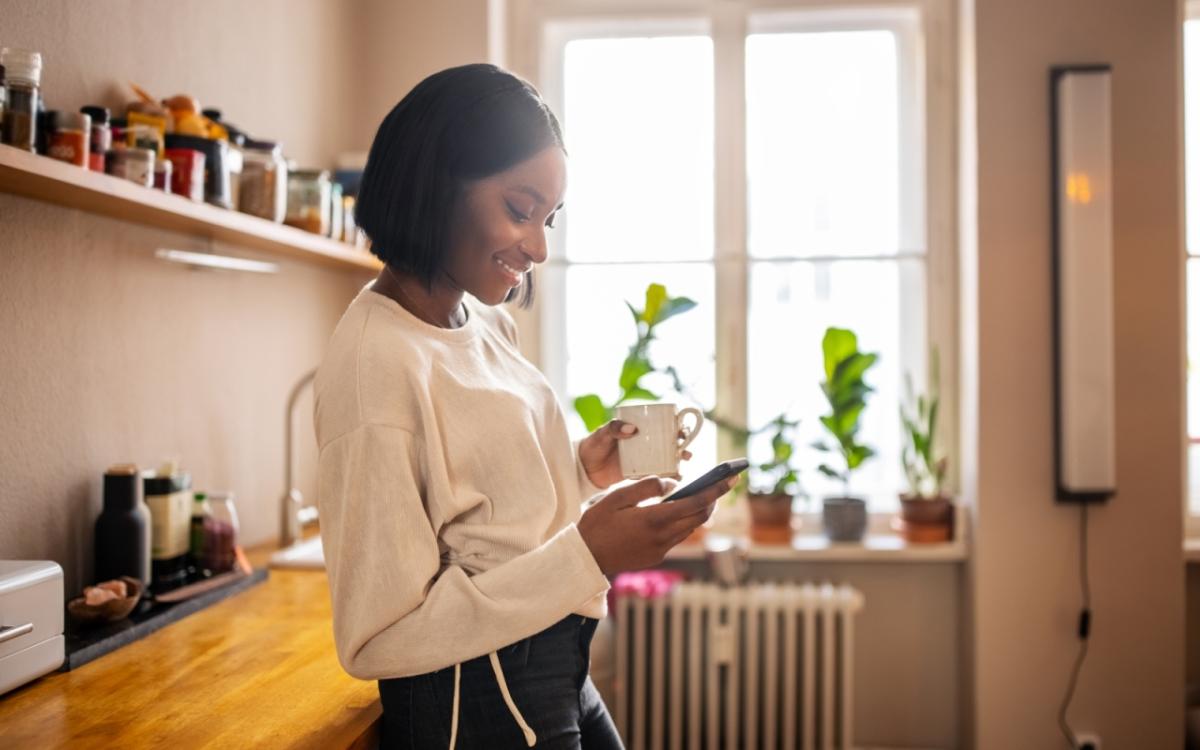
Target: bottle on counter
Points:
(122, 540)
(23, 80)
(100, 137)
(201, 519)
(169, 497)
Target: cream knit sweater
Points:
(448, 490)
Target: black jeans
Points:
(547, 676)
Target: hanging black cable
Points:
(1085, 628)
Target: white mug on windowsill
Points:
(661, 437)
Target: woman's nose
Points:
(535, 248)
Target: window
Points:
(772, 166)
(1191, 83)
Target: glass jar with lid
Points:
(220, 533)
(308, 200)
(264, 188)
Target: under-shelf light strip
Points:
(209, 260)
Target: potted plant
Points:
(775, 485)
(926, 512)
(659, 308)
(845, 516)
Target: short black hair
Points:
(460, 124)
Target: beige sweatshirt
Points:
(448, 490)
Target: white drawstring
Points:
(530, 737)
(454, 709)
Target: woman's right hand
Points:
(622, 536)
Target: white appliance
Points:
(757, 666)
(31, 621)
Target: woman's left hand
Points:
(599, 456)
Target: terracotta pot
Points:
(926, 519)
(936, 510)
(770, 509)
(844, 518)
(770, 517)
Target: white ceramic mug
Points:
(655, 449)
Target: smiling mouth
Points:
(513, 272)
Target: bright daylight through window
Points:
(834, 224)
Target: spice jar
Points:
(216, 165)
(23, 78)
(100, 140)
(264, 190)
(308, 200)
(162, 175)
(187, 178)
(133, 164)
(71, 137)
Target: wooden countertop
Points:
(255, 670)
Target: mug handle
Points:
(689, 435)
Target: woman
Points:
(463, 576)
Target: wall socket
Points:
(1087, 741)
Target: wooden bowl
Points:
(110, 611)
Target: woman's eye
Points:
(550, 222)
(517, 215)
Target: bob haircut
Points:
(459, 125)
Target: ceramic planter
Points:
(845, 518)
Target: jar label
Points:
(170, 524)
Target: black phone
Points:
(715, 474)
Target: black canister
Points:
(216, 166)
(122, 543)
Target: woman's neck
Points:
(442, 306)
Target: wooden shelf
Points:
(53, 181)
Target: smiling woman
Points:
(463, 576)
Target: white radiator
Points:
(758, 666)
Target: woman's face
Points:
(499, 225)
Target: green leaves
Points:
(846, 391)
(658, 308)
(593, 411)
(925, 471)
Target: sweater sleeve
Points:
(396, 612)
(586, 489)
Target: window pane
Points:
(600, 330)
(822, 144)
(638, 122)
(1191, 109)
(792, 303)
(1193, 380)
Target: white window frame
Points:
(1191, 521)
(530, 23)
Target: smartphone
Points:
(716, 474)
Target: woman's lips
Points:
(512, 273)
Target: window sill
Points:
(809, 547)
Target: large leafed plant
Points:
(846, 391)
